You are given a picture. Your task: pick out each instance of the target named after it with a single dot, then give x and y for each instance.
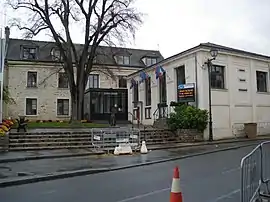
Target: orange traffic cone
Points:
(176, 194)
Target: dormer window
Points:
(29, 53)
(148, 61)
(56, 54)
(122, 59)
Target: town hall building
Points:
(240, 89)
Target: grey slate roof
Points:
(105, 55)
(207, 45)
(233, 50)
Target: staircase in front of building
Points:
(51, 140)
(81, 140)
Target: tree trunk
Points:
(77, 103)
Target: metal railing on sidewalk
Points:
(255, 174)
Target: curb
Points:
(26, 158)
(197, 144)
(68, 174)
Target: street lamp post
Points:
(214, 53)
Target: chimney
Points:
(7, 33)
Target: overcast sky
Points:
(175, 25)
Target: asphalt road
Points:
(208, 178)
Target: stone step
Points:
(51, 147)
(40, 144)
(44, 139)
(13, 136)
(79, 139)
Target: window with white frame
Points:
(261, 78)
(135, 94)
(62, 80)
(29, 53)
(56, 54)
(62, 107)
(148, 92)
(31, 106)
(163, 89)
(93, 81)
(122, 82)
(217, 77)
(122, 59)
(150, 61)
(31, 79)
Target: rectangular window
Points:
(147, 112)
(122, 82)
(31, 106)
(93, 81)
(135, 94)
(163, 89)
(62, 80)
(261, 78)
(180, 75)
(123, 60)
(217, 75)
(31, 79)
(56, 54)
(150, 61)
(148, 92)
(63, 107)
(29, 53)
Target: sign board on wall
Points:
(186, 92)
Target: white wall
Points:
(188, 62)
(229, 106)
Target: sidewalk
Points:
(15, 170)
(14, 156)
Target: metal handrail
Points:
(134, 118)
(138, 121)
(155, 114)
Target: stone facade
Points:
(47, 91)
(42, 60)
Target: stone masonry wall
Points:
(47, 92)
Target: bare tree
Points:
(102, 21)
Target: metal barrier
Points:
(255, 174)
(251, 175)
(265, 161)
(108, 139)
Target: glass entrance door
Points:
(102, 101)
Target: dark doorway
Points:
(98, 103)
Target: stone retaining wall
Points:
(4, 142)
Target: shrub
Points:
(188, 117)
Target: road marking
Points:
(231, 170)
(226, 195)
(144, 195)
(48, 192)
